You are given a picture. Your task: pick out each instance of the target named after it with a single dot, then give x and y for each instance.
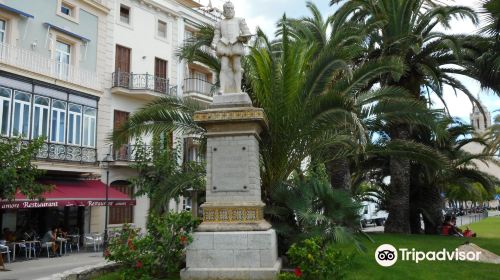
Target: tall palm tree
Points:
(462, 172)
(407, 29)
(492, 137)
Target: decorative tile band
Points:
(232, 214)
(251, 114)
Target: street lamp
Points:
(105, 164)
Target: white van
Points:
(371, 215)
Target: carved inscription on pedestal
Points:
(230, 169)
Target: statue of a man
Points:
(229, 36)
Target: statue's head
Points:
(228, 10)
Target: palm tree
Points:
(492, 137)
(462, 173)
(406, 29)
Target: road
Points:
(43, 267)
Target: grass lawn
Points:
(488, 231)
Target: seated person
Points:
(469, 233)
(50, 237)
(445, 227)
(9, 235)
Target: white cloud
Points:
(266, 13)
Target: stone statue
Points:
(230, 34)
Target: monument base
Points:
(231, 100)
(232, 255)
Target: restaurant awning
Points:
(72, 193)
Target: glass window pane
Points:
(92, 133)
(70, 128)
(26, 120)
(75, 108)
(54, 126)
(17, 119)
(42, 100)
(63, 47)
(77, 129)
(22, 96)
(65, 10)
(62, 120)
(36, 122)
(59, 104)
(90, 112)
(162, 29)
(45, 122)
(5, 92)
(5, 116)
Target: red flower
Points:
(297, 272)
(138, 264)
(107, 253)
(183, 239)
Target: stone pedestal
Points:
(233, 241)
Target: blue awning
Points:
(62, 30)
(497, 196)
(15, 11)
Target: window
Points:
(41, 117)
(66, 9)
(162, 29)
(89, 127)
(2, 31)
(63, 54)
(124, 14)
(186, 204)
(74, 124)
(58, 121)
(5, 95)
(122, 214)
(21, 123)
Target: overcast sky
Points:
(265, 13)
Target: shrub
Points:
(314, 259)
(158, 253)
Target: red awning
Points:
(72, 193)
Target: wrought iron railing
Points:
(35, 62)
(143, 82)
(199, 86)
(63, 152)
(128, 152)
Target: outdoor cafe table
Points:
(30, 245)
(14, 245)
(61, 241)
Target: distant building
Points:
(481, 121)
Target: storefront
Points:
(67, 205)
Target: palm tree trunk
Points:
(340, 174)
(432, 205)
(398, 206)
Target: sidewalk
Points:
(461, 221)
(43, 267)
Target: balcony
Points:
(142, 85)
(199, 89)
(63, 153)
(127, 153)
(37, 63)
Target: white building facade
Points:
(74, 70)
(144, 66)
